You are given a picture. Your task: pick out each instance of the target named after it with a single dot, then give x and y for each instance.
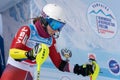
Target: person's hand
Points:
(87, 69)
(32, 53)
(84, 70)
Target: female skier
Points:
(32, 38)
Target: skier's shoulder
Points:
(24, 27)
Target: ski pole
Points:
(41, 57)
(96, 71)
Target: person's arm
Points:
(18, 47)
(85, 69)
(56, 58)
(19, 51)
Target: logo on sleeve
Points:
(22, 37)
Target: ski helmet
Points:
(55, 12)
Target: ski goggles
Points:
(54, 24)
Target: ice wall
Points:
(12, 19)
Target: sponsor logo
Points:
(102, 20)
(21, 38)
(114, 66)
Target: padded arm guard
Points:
(17, 53)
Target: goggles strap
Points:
(43, 21)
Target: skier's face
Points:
(54, 27)
(51, 32)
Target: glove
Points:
(84, 70)
(32, 53)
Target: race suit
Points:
(19, 67)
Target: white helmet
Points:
(55, 12)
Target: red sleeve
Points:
(20, 39)
(54, 55)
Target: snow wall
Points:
(92, 28)
(2, 52)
